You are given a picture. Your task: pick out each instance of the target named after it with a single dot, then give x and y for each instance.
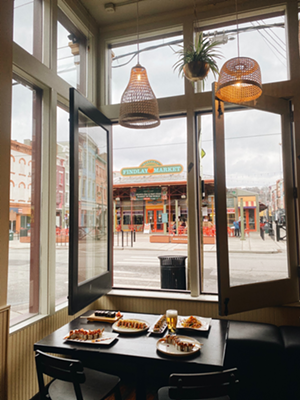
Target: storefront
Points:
(151, 196)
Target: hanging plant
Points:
(197, 60)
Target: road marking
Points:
(135, 263)
(148, 280)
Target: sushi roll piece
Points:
(96, 334)
(72, 335)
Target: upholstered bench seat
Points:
(257, 350)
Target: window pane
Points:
(92, 224)
(255, 199)
(71, 53)
(269, 50)
(255, 194)
(62, 206)
(164, 81)
(24, 225)
(28, 26)
(150, 208)
(209, 282)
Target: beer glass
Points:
(171, 316)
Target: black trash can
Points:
(172, 272)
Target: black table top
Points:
(138, 348)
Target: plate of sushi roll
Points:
(104, 316)
(194, 323)
(176, 345)
(130, 326)
(91, 336)
(159, 326)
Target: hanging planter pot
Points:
(198, 59)
(196, 70)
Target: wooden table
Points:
(138, 352)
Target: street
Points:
(140, 269)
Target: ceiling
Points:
(126, 10)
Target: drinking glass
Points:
(171, 316)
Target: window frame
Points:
(234, 299)
(83, 41)
(82, 294)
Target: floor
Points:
(128, 393)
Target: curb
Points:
(205, 251)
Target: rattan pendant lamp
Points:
(240, 77)
(139, 107)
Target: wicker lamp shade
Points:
(239, 81)
(139, 107)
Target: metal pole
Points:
(165, 224)
(131, 238)
(115, 216)
(176, 215)
(122, 238)
(242, 219)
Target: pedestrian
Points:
(236, 228)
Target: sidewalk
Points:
(252, 244)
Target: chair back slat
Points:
(64, 369)
(204, 385)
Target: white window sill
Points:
(163, 295)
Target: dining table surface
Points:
(137, 351)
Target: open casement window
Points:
(90, 250)
(271, 277)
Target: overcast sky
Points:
(253, 142)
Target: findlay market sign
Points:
(152, 167)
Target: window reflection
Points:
(24, 213)
(92, 202)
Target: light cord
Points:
(137, 32)
(237, 29)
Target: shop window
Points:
(269, 36)
(28, 26)
(23, 289)
(164, 81)
(71, 53)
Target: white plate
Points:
(204, 321)
(171, 350)
(106, 338)
(123, 329)
(162, 328)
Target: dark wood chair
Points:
(72, 381)
(220, 385)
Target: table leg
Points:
(141, 390)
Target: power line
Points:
(275, 34)
(179, 41)
(274, 48)
(181, 143)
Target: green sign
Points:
(148, 193)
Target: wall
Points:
(6, 13)
(22, 381)
(21, 366)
